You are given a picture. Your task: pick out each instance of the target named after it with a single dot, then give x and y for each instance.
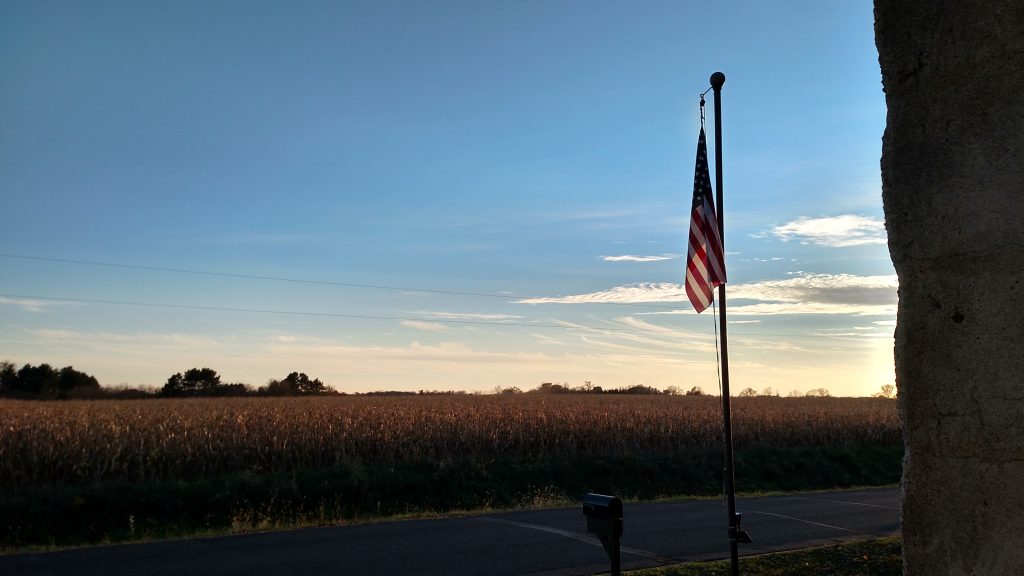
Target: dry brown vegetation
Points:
(78, 442)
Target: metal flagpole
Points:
(735, 534)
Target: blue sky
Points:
(456, 195)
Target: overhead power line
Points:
(315, 314)
(350, 316)
(300, 280)
(566, 326)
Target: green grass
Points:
(878, 557)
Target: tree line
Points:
(588, 388)
(206, 382)
(44, 382)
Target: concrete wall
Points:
(953, 190)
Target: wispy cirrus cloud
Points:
(781, 308)
(826, 289)
(425, 326)
(644, 292)
(632, 258)
(804, 294)
(833, 231)
(100, 338)
(637, 336)
(470, 316)
(29, 304)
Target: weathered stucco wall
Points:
(953, 190)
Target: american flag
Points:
(705, 265)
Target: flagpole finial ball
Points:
(717, 80)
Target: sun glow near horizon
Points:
(463, 202)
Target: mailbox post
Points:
(604, 518)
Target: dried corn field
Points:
(78, 442)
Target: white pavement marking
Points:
(593, 541)
(848, 502)
(799, 520)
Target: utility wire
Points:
(300, 280)
(343, 284)
(565, 326)
(317, 314)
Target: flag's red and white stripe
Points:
(705, 262)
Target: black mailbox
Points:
(604, 518)
(604, 515)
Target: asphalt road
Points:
(549, 542)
